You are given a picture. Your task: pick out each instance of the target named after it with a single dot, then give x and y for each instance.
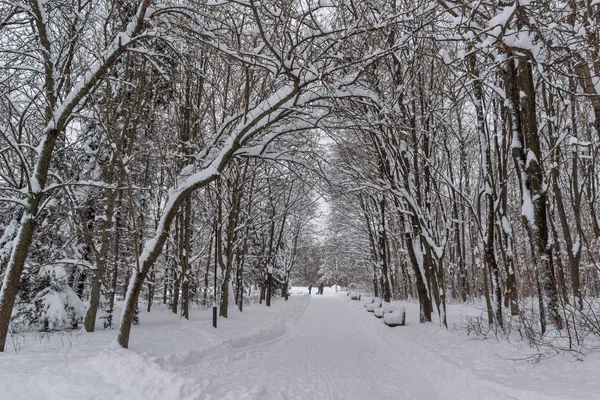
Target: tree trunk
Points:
(284, 290)
(560, 270)
(8, 291)
(15, 268)
(184, 256)
(185, 298)
(528, 157)
(263, 291)
(507, 246)
(486, 292)
(115, 270)
(232, 236)
(206, 274)
(383, 252)
(425, 306)
(176, 289)
(241, 255)
(489, 254)
(98, 273)
(151, 288)
(269, 289)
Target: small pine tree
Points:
(46, 301)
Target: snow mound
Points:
(137, 377)
(375, 304)
(384, 309)
(395, 318)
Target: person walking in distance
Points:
(309, 288)
(320, 289)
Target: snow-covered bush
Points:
(46, 301)
(378, 312)
(580, 335)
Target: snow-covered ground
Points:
(311, 347)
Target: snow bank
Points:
(265, 325)
(140, 378)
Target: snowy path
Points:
(329, 354)
(336, 351)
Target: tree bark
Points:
(528, 157)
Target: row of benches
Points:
(393, 315)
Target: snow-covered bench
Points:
(384, 309)
(396, 317)
(375, 304)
